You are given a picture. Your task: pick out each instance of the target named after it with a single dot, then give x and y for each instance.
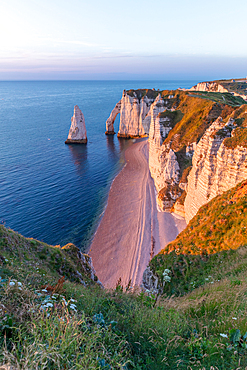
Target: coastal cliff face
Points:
(77, 132)
(181, 123)
(133, 107)
(216, 168)
(224, 86)
(163, 164)
(177, 122)
(209, 86)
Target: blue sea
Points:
(49, 190)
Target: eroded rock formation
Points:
(133, 108)
(77, 132)
(110, 121)
(215, 167)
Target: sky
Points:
(131, 39)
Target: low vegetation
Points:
(215, 237)
(51, 322)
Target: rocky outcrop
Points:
(134, 120)
(150, 281)
(209, 86)
(83, 263)
(110, 121)
(77, 132)
(215, 167)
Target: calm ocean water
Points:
(51, 191)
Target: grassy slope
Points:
(116, 329)
(39, 259)
(214, 243)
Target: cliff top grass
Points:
(224, 98)
(80, 327)
(239, 135)
(237, 85)
(198, 114)
(214, 243)
(140, 93)
(42, 261)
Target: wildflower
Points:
(12, 283)
(44, 290)
(49, 304)
(19, 283)
(166, 271)
(234, 318)
(73, 307)
(223, 335)
(167, 278)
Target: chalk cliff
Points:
(77, 132)
(133, 107)
(182, 125)
(215, 167)
(163, 164)
(209, 86)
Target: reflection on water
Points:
(111, 145)
(79, 155)
(123, 143)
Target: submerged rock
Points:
(77, 132)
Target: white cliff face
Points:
(215, 168)
(163, 163)
(130, 118)
(134, 118)
(111, 119)
(209, 86)
(77, 132)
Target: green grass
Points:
(117, 329)
(223, 98)
(215, 237)
(25, 254)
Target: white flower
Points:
(12, 283)
(49, 304)
(224, 335)
(20, 284)
(72, 300)
(234, 318)
(167, 278)
(44, 290)
(73, 307)
(166, 271)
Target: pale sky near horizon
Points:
(134, 39)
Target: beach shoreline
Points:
(131, 230)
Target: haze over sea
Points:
(51, 191)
